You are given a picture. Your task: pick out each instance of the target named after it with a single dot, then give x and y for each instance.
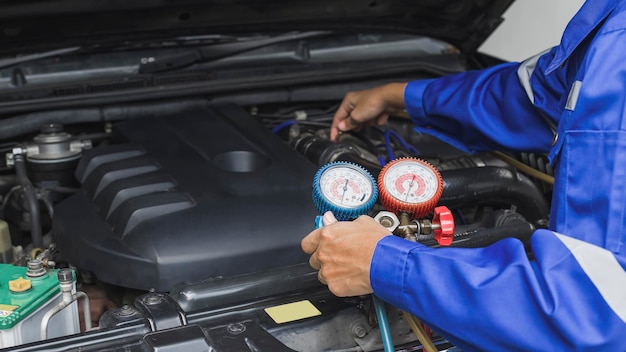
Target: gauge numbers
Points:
(346, 186)
(411, 181)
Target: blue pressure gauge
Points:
(346, 189)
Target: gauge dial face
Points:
(411, 181)
(346, 186)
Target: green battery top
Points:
(21, 295)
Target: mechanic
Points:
(569, 101)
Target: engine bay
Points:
(183, 225)
(164, 160)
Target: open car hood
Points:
(31, 26)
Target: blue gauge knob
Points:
(346, 189)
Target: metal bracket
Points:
(161, 311)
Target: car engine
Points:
(182, 226)
(216, 178)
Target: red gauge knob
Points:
(443, 224)
(410, 185)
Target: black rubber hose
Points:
(321, 150)
(496, 186)
(32, 202)
(486, 236)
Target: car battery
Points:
(25, 300)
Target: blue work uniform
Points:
(570, 102)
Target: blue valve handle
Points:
(319, 222)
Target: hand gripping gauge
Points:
(410, 185)
(346, 189)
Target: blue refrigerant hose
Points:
(383, 324)
(379, 306)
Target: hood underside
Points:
(31, 26)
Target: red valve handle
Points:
(444, 234)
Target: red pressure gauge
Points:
(410, 185)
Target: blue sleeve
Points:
(572, 297)
(488, 109)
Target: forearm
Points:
(393, 95)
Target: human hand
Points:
(342, 252)
(365, 107)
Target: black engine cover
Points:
(205, 194)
